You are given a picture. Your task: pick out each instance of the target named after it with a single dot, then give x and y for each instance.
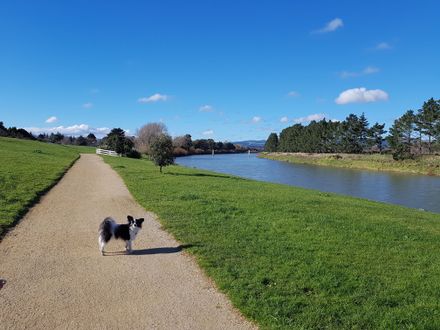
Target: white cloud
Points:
(208, 132)
(206, 108)
(51, 119)
(293, 94)
(309, 118)
(74, 130)
(367, 71)
(383, 46)
(284, 119)
(256, 119)
(87, 105)
(361, 95)
(153, 98)
(331, 26)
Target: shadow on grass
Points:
(161, 250)
(202, 175)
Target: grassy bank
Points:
(27, 170)
(428, 165)
(295, 258)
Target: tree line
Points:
(414, 133)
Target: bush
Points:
(402, 152)
(133, 153)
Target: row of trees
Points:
(182, 145)
(14, 132)
(89, 140)
(416, 133)
(353, 135)
(413, 133)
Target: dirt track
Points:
(56, 277)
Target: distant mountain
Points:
(258, 144)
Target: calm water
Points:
(416, 191)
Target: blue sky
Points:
(228, 70)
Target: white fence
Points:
(107, 152)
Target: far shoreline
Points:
(425, 165)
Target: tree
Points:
(117, 141)
(81, 141)
(3, 130)
(376, 133)
(271, 144)
(91, 139)
(427, 119)
(161, 151)
(401, 135)
(146, 134)
(183, 142)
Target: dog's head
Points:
(135, 222)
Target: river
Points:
(417, 191)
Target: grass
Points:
(427, 164)
(291, 258)
(27, 170)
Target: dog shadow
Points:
(161, 250)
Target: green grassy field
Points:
(292, 258)
(27, 170)
(428, 165)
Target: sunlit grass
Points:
(296, 258)
(28, 169)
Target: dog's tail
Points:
(106, 231)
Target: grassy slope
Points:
(295, 258)
(28, 169)
(429, 165)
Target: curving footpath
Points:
(57, 279)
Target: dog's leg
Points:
(101, 245)
(128, 246)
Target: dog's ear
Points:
(140, 220)
(130, 219)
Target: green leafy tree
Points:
(401, 135)
(117, 141)
(161, 151)
(271, 144)
(427, 120)
(375, 134)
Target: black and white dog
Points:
(109, 228)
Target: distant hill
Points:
(258, 144)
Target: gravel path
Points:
(56, 277)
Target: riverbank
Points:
(295, 258)
(427, 165)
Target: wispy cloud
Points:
(206, 108)
(361, 95)
(87, 105)
(284, 119)
(367, 71)
(74, 130)
(256, 119)
(52, 119)
(153, 98)
(309, 118)
(293, 94)
(208, 132)
(383, 46)
(331, 26)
